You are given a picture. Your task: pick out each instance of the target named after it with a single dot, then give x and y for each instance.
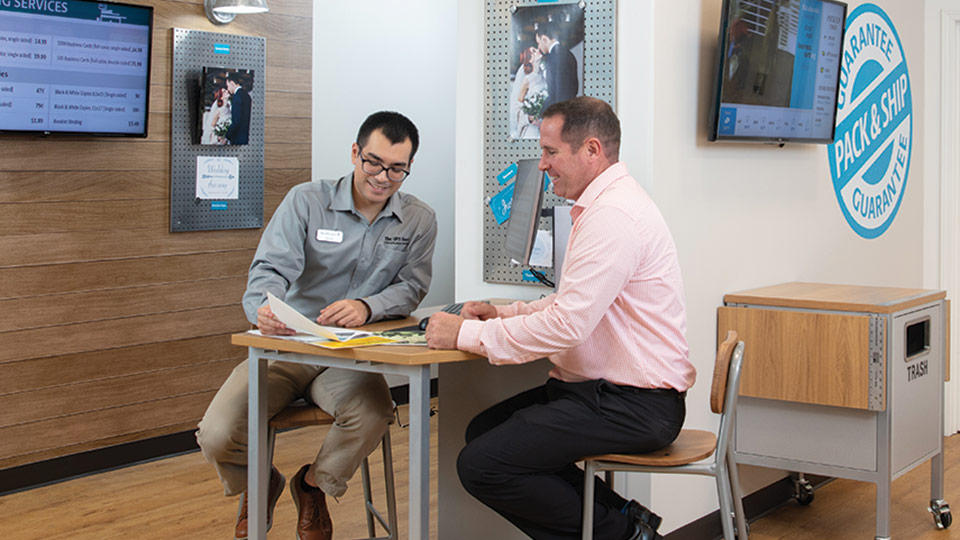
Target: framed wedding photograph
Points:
(546, 62)
(536, 52)
(226, 99)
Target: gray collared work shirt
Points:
(318, 249)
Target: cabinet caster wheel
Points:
(941, 513)
(804, 492)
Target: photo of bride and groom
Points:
(546, 52)
(225, 106)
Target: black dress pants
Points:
(520, 454)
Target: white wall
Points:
(371, 55)
(747, 215)
(742, 215)
(941, 269)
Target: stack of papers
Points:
(331, 337)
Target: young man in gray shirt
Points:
(344, 253)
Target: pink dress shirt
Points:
(618, 313)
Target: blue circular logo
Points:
(870, 156)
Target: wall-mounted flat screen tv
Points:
(779, 70)
(73, 66)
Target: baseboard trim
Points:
(755, 505)
(52, 471)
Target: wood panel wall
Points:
(113, 329)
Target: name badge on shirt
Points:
(328, 235)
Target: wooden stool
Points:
(685, 455)
(300, 414)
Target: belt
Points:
(670, 391)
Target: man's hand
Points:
(346, 313)
(478, 310)
(443, 330)
(268, 323)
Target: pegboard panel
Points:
(192, 51)
(508, 31)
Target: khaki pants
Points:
(360, 402)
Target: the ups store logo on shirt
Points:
(396, 242)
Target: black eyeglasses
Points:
(373, 168)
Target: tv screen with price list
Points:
(74, 66)
(779, 70)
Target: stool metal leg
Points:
(722, 477)
(389, 484)
(271, 436)
(737, 493)
(367, 497)
(390, 524)
(588, 481)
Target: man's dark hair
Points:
(394, 126)
(548, 29)
(585, 117)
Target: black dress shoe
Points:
(641, 514)
(642, 531)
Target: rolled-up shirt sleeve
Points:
(592, 280)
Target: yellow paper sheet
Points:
(356, 342)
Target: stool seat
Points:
(690, 446)
(297, 416)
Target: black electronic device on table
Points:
(449, 308)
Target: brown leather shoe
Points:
(313, 521)
(277, 482)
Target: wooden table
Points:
(410, 361)
(844, 381)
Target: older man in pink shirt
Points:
(614, 331)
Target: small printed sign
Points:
(221, 48)
(217, 177)
(500, 204)
(507, 174)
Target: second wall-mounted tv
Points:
(74, 66)
(779, 70)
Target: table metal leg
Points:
(936, 476)
(883, 509)
(884, 475)
(257, 455)
(420, 453)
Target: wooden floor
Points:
(845, 509)
(179, 498)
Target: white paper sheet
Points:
(542, 253)
(303, 338)
(294, 319)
